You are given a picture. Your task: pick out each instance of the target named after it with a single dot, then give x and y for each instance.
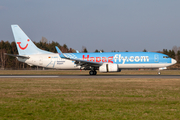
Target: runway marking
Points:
(88, 76)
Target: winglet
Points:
(77, 51)
(60, 53)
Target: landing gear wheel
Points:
(92, 72)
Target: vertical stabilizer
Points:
(24, 44)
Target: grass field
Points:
(77, 99)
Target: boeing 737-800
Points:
(104, 62)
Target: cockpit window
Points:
(165, 56)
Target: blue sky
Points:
(120, 25)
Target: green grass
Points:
(76, 99)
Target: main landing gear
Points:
(92, 72)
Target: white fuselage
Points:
(49, 61)
(53, 60)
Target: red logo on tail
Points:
(22, 48)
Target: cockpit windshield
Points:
(165, 56)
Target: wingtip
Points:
(59, 52)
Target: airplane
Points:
(103, 61)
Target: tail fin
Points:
(24, 44)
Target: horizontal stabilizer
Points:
(20, 56)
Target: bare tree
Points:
(175, 48)
(44, 40)
(3, 58)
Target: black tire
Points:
(91, 72)
(94, 72)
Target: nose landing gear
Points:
(163, 68)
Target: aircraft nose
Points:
(173, 61)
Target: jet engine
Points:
(109, 68)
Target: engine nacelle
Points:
(109, 68)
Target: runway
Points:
(88, 76)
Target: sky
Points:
(120, 25)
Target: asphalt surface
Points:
(92, 76)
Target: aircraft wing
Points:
(20, 56)
(78, 61)
(84, 62)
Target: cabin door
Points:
(156, 58)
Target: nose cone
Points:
(173, 61)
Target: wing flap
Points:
(85, 62)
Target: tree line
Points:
(9, 62)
